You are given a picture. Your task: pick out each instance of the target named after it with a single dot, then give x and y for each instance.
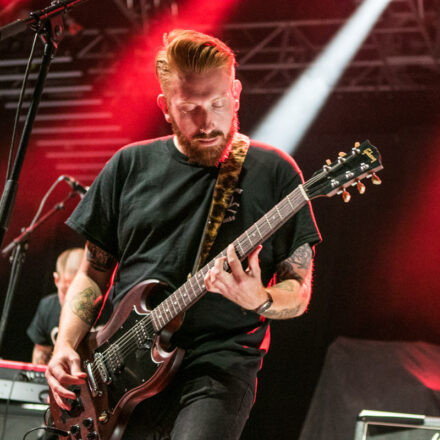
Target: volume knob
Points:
(88, 423)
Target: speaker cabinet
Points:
(18, 419)
(382, 425)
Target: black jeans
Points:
(202, 408)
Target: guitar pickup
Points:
(102, 368)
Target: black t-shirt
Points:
(148, 208)
(43, 329)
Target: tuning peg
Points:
(346, 196)
(375, 179)
(328, 161)
(357, 144)
(360, 187)
(342, 154)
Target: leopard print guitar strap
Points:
(224, 188)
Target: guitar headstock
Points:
(348, 170)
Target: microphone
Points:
(76, 186)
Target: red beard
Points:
(208, 156)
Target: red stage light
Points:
(135, 81)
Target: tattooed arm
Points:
(290, 295)
(292, 292)
(41, 354)
(77, 316)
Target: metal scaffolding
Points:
(401, 54)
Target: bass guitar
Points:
(130, 359)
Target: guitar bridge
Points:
(93, 384)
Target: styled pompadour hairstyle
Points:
(191, 51)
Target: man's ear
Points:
(163, 105)
(236, 91)
(56, 278)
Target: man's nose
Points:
(206, 120)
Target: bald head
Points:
(66, 268)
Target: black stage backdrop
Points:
(375, 272)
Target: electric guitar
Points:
(130, 359)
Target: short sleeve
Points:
(37, 329)
(96, 217)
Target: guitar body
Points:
(104, 403)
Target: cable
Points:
(19, 105)
(48, 429)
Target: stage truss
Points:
(402, 54)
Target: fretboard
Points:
(193, 289)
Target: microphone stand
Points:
(19, 246)
(49, 24)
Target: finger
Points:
(218, 264)
(253, 261)
(75, 369)
(62, 376)
(234, 262)
(215, 282)
(59, 391)
(60, 402)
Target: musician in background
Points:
(43, 329)
(146, 212)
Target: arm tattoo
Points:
(41, 354)
(296, 266)
(83, 305)
(100, 260)
(286, 285)
(282, 314)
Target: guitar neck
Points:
(193, 289)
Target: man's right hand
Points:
(77, 316)
(64, 369)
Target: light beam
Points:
(288, 121)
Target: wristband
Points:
(261, 309)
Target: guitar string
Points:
(132, 333)
(127, 343)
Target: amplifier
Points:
(18, 418)
(23, 382)
(382, 425)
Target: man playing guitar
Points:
(146, 212)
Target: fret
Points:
(278, 212)
(164, 312)
(290, 203)
(153, 319)
(249, 238)
(193, 292)
(172, 303)
(181, 301)
(243, 253)
(176, 304)
(267, 220)
(167, 311)
(258, 230)
(186, 294)
(196, 277)
(160, 319)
